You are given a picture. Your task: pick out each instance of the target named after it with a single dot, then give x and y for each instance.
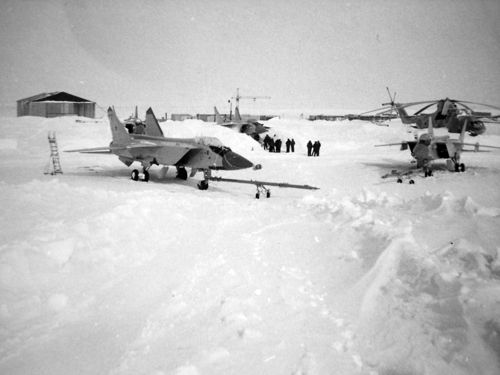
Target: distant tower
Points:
(54, 156)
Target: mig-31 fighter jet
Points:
(153, 148)
(251, 128)
(429, 147)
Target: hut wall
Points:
(57, 109)
(37, 109)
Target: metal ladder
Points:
(54, 156)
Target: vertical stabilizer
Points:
(431, 127)
(218, 119)
(237, 115)
(152, 125)
(118, 131)
(462, 132)
(405, 118)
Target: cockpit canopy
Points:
(209, 141)
(425, 138)
(214, 143)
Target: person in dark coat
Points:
(316, 147)
(288, 145)
(309, 148)
(292, 145)
(266, 141)
(278, 145)
(271, 144)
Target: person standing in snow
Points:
(271, 144)
(309, 148)
(288, 145)
(278, 145)
(292, 144)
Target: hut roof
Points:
(58, 96)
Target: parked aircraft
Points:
(451, 114)
(152, 148)
(134, 124)
(251, 128)
(429, 147)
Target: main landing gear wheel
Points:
(460, 167)
(135, 175)
(428, 173)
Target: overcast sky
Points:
(190, 55)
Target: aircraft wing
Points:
(110, 149)
(478, 145)
(392, 144)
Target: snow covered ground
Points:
(103, 275)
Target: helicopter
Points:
(449, 113)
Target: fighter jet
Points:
(251, 128)
(153, 148)
(134, 124)
(429, 148)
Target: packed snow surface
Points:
(103, 275)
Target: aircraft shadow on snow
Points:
(387, 165)
(124, 174)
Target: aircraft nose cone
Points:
(232, 161)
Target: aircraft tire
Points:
(400, 181)
(462, 167)
(146, 176)
(203, 185)
(257, 195)
(412, 182)
(134, 175)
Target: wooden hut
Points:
(55, 104)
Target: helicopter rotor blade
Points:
(486, 105)
(423, 109)
(378, 109)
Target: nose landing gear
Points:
(203, 185)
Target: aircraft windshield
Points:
(220, 150)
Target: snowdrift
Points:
(100, 274)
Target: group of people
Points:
(274, 145)
(313, 149)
